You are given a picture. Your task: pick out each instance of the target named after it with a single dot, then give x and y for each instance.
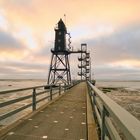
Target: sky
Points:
(111, 29)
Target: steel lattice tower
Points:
(59, 71)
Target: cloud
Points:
(20, 2)
(7, 41)
(117, 73)
(109, 28)
(21, 69)
(122, 44)
(3, 21)
(11, 48)
(116, 56)
(17, 60)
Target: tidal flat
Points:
(126, 95)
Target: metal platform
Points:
(64, 119)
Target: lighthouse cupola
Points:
(60, 37)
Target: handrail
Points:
(111, 117)
(50, 89)
(22, 89)
(12, 101)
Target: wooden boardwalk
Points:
(64, 119)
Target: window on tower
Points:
(59, 33)
(59, 40)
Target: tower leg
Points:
(59, 72)
(50, 75)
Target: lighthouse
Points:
(59, 72)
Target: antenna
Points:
(65, 18)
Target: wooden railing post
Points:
(50, 92)
(93, 96)
(103, 123)
(65, 87)
(59, 89)
(34, 100)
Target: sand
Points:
(126, 97)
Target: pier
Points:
(79, 112)
(64, 118)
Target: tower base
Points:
(59, 72)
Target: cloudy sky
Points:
(111, 28)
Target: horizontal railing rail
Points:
(21, 89)
(34, 95)
(115, 123)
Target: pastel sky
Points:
(111, 28)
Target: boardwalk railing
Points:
(115, 123)
(35, 94)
